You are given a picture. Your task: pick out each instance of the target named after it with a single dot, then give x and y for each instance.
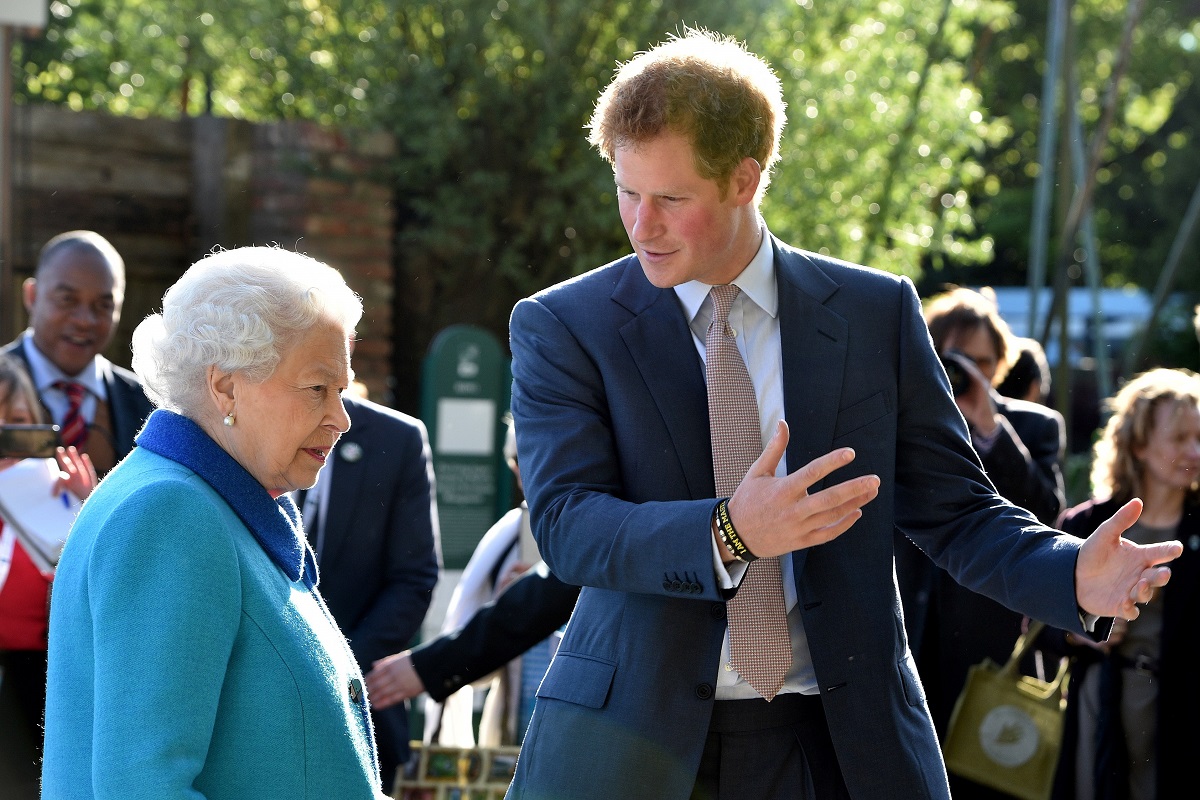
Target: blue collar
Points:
(274, 523)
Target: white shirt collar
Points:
(757, 281)
(45, 373)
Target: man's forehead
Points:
(79, 254)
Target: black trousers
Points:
(780, 750)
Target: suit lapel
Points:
(17, 350)
(813, 341)
(348, 479)
(118, 410)
(814, 356)
(660, 344)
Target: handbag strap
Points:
(1025, 641)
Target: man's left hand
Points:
(1113, 574)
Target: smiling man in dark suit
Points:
(620, 465)
(74, 304)
(73, 301)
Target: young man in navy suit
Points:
(861, 436)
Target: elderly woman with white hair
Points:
(190, 652)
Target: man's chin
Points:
(72, 358)
(660, 278)
(73, 365)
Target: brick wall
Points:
(165, 192)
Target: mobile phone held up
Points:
(29, 441)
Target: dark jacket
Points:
(1178, 706)
(526, 612)
(381, 556)
(616, 458)
(950, 628)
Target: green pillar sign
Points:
(465, 394)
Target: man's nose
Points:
(645, 222)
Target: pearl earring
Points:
(229, 420)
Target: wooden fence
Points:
(165, 192)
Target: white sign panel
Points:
(24, 13)
(465, 427)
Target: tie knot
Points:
(723, 297)
(74, 391)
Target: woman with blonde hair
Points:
(1134, 698)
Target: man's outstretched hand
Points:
(392, 680)
(1113, 574)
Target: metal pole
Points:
(7, 326)
(1048, 139)
(1091, 257)
(1166, 279)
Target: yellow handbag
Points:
(1006, 728)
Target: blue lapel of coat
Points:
(813, 340)
(664, 354)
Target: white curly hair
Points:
(237, 310)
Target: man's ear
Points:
(29, 293)
(745, 179)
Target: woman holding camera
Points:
(25, 593)
(1021, 446)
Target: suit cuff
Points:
(728, 575)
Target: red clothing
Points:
(24, 604)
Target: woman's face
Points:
(286, 426)
(1171, 455)
(14, 410)
(976, 344)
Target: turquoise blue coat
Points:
(191, 655)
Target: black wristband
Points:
(729, 535)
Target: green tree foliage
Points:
(1150, 163)
(884, 139)
(489, 99)
(249, 59)
(911, 143)
(499, 192)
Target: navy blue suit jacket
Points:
(381, 556)
(951, 628)
(612, 424)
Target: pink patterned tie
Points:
(74, 429)
(759, 642)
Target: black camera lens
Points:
(960, 379)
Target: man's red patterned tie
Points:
(74, 428)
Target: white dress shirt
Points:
(44, 374)
(755, 318)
